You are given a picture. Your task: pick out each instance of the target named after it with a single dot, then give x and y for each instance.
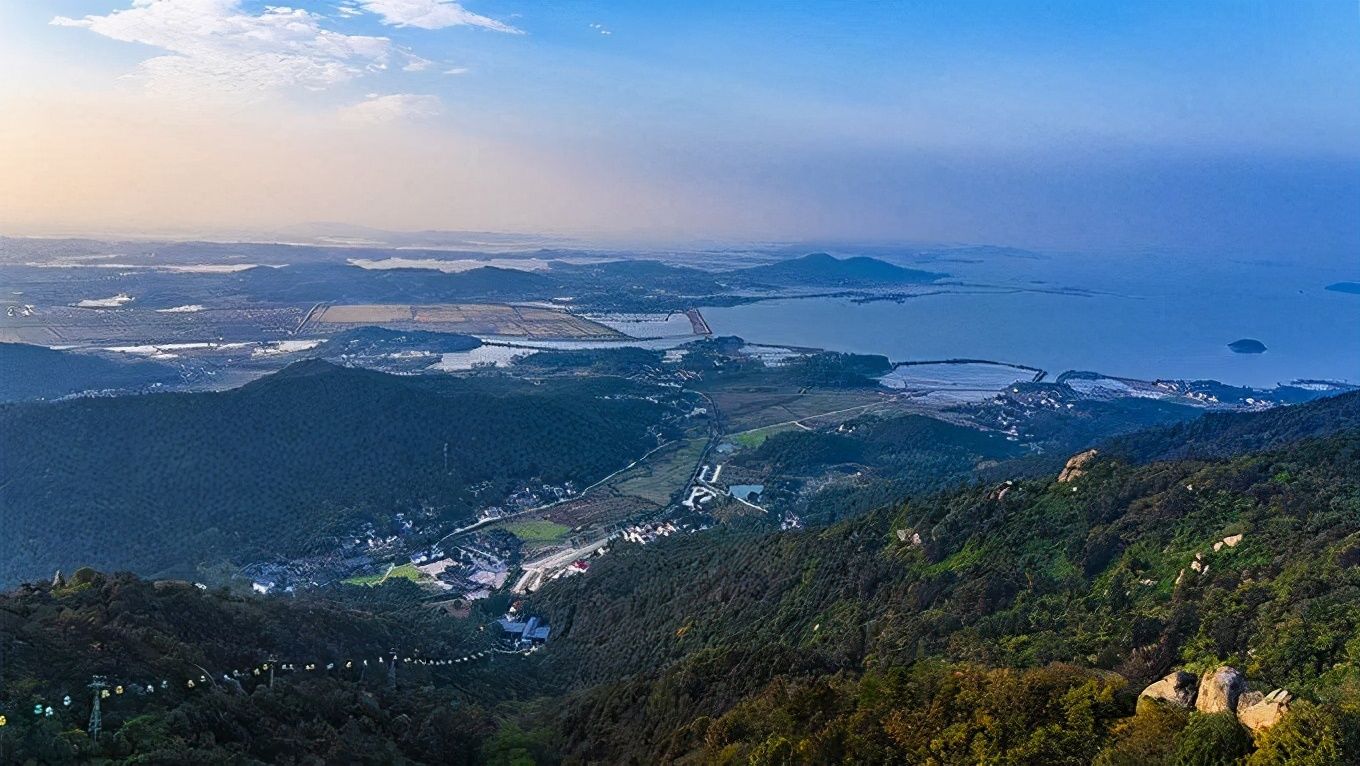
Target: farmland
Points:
(529, 322)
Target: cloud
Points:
(218, 45)
(601, 29)
(457, 70)
(377, 109)
(416, 63)
(432, 14)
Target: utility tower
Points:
(392, 671)
(97, 685)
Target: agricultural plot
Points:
(744, 410)
(600, 508)
(663, 474)
(405, 572)
(536, 530)
(529, 322)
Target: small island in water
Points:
(1247, 346)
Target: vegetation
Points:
(536, 530)
(130, 630)
(160, 483)
(992, 623)
(35, 372)
(821, 269)
(405, 571)
(740, 646)
(628, 360)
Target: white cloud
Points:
(416, 63)
(457, 70)
(601, 29)
(432, 14)
(215, 44)
(378, 109)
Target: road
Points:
(537, 572)
(536, 509)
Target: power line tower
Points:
(392, 671)
(97, 685)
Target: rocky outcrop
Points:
(1177, 688)
(1222, 690)
(1230, 541)
(1266, 713)
(1076, 466)
(907, 533)
(1219, 690)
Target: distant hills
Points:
(372, 341)
(821, 269)
(34, 372)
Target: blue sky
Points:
(1078, 125)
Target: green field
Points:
(536, 530)
(756, 437)
(663, 474)
(407, 571)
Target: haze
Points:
(1210, 126)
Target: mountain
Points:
(1226, 434)
(35, 372)
(823, 270)
(150, 641)
(1006, 624)
(376, 341)
(1009, 623)
(163, 482)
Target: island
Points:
(1247, 346)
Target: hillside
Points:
(821, 269)
(736, 642)
(163, 482)
(34, 372)
(1011, 623)
(164, 635)
(1220, 434)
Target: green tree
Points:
(1215, 739)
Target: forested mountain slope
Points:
(36, 372)
(157, 483)
(819, 644)
(1004, 623)
(185, 644)
(1223, 434)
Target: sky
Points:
(1224, 127)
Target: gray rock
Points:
(1219, 690)
(1177, 688)
(1265, 713)
(1076, 466)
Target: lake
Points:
(1143, 317)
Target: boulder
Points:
(1219, 690)
(1076, 466)
(1177, 688)
(1266, 713)
(1249, 698)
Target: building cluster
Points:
(646, 533)
(523, 634)
(475, 568)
